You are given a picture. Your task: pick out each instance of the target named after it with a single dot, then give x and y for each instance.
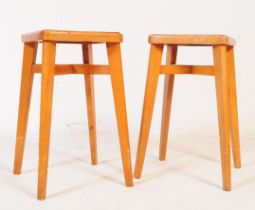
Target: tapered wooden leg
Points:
(115, 65)
(167, 102)
(221, 79)
(234, 127)
(29, 58)
(148, 104)
(90, 98)
(48, 68)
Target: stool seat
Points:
(72, 36)
(189, 40)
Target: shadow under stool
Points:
(223, 71)
(48, 69)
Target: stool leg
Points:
(29, 58)
(114, 57)
(48, 68)
(167, 102)
(234, 128)
(90, 99)
(221, 79)
(148, 104)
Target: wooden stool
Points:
(49, 39)
(224, 73)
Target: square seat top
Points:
(189, 40)
(61, 36)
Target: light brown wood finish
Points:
(90, 99)
(187, 69)
(167, 102)
(221, 81)
(61, 36)
(234, 127)
(48, 69)
(48, 65)
(148, 105)
(115, 64)
(63, 69)
(224, 72)
(189, 40)
(29, 59)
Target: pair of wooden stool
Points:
(223, 70)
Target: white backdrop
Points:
(194, 105)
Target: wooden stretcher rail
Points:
(187, 69)
(75, 69)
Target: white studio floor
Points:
(190, 178)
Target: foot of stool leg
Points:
(29, 58)
(234, 127)
(48, 63)
(221, 79)
(149, 99)
(115, 65)
(167, 102)
(90, 99)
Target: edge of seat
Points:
(72, 36)
(192, 39)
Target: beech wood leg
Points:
(167, 102)
(222, 92)
(115, 65)
(48, 67)
(90, 99)
(29, 58)
(148, 104)
(234, 127)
